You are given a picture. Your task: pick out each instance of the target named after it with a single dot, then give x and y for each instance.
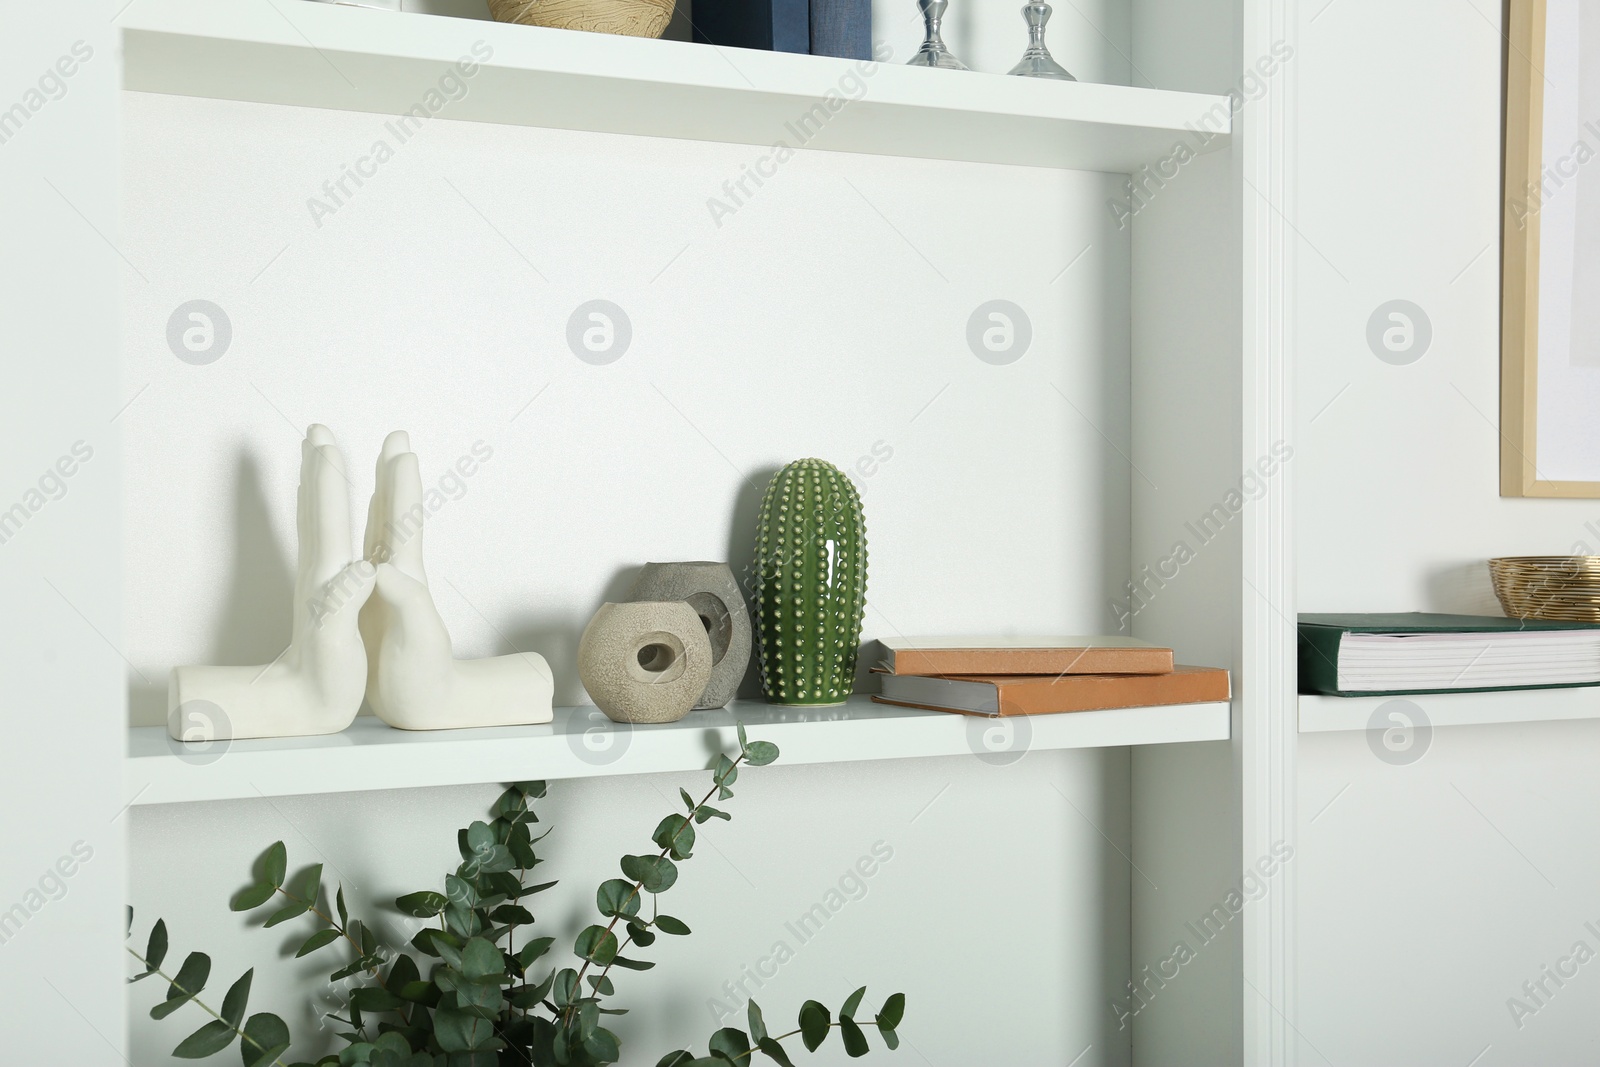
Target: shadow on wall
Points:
(742, 559)
(1463, 589)
(253, 623)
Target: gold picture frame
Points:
(1524, 96)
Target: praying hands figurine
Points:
(414, 681)
(361, 627)
(315, 685)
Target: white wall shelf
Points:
(1328, 714)
(327, 56)
(581, 744)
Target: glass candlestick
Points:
(1036, 61)
(933, 53)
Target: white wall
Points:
(827, 316)
(1429, 892)
(61, 838)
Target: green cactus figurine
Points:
(811, 563)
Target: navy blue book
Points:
(773, 25)
(841, 28)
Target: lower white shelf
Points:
(582, 743)
(1326, 714)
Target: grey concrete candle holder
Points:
(645, 662)
(711, 590)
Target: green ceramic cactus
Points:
(811, 563)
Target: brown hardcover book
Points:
(1046, 694)
(1023, 655)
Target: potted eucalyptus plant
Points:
(476, 989)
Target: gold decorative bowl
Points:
(1565, 588)
(633, 18)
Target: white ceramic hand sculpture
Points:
(414, 681)
(315, 687)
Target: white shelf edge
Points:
(331, 56)
(581, 743)
(1330, 714)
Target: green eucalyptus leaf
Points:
(758, 1025)
(308, 884)
(186, 984)
(531, 789)
(656, 874)
(317, 940)
(375, 999)
(601, 985)
(744, 742)
(292, 910)
(760, 753)
(675, 834)
(602, 1047)
(855, 1042)
(894, 1009)
(480, 959)
(641, 934)
(706, 811)
(632, 965)
(533, 950)
(274, 864)
(597, 944)
(669, 925)
(423, 905)
(458, 890)
(511, 802)
(156, 949)
(565, 987)
(688, 802)
(265, 1039)
(815, 1022)
(676, 1059)
(237, 997)
(344, 915)
(731, 1043)
(209, 1040)
(725, 773)
(616, 897)
(771, 1047)
(252, 897)
(852, 1004)
(457, 1031)
(512, 915)
(724, 793)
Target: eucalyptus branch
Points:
(477, 1001)
(194, 998)
(719, 781)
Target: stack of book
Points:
(1038, 675)
(1422, 652)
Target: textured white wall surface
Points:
(1429, 892)
(826, 316)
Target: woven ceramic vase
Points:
(811, 561)
(710, 589)
(645, 662)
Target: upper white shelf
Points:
(329, 56)
(581, 743)
(1325, 714)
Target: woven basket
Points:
(1565, 588)
(632, 18)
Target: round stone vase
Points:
(645, 662)
(710, 589)
(811, 561)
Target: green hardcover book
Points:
(1391, 654)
